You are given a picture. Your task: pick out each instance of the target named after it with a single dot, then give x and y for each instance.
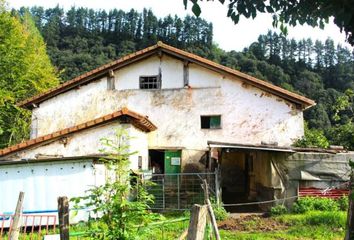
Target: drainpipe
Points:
(209, 158)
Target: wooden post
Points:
(210, 210)
(350, 217)
(197, 222)
(63, 212)
(183, 235)
(16, 224)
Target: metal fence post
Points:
(216, 177)
(178, 192)
(163, 193)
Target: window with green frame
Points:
(210, 122)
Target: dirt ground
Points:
(250, 223)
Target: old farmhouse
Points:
(186, 114)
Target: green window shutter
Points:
(215, 122)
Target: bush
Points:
(278, 210)
(219, 211)
(307, 204)
(343, 203)
(313, 138)
(325, 204)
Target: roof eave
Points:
(137, 120)
(131, 58)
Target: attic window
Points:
(210, 122)
(150, 82)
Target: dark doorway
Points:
(237, 180)
(157, 161)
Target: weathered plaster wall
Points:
(249, 115)
(138, 143)
(87, 143)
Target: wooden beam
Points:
(16, 225)
(186, 73)
(197, 222)
(210, 210)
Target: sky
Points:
(227, 35)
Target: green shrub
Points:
(343, 203)
(278, 210)
(312, 138)
(307, 204)
(219, 210)
(325, 204)
(303, 205)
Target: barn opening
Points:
(247, 175)
(162, 161)
(238, 178)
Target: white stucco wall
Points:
(87, 142)
(139, 144)
(249, 115)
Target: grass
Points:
(311, 225)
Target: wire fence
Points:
(179, 191)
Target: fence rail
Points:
(32, 226)
(179, 191)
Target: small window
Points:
(150, 82)
(210, 122)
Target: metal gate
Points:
(179, 191)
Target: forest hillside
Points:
(81, 39)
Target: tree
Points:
(122, 202)
(312, 138)
(343, 131)
(314, 13)
(25, 70)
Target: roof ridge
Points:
(139, 121)
(236, 72)
(87, 74)
(93, 74)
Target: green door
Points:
(173, 161)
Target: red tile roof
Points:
(139, 121)
(103, 70)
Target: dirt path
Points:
(252, 223)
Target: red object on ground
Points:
(317, 192)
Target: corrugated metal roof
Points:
(274, 148)
(249, 146)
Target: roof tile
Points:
(178, 52)
(136, 119)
